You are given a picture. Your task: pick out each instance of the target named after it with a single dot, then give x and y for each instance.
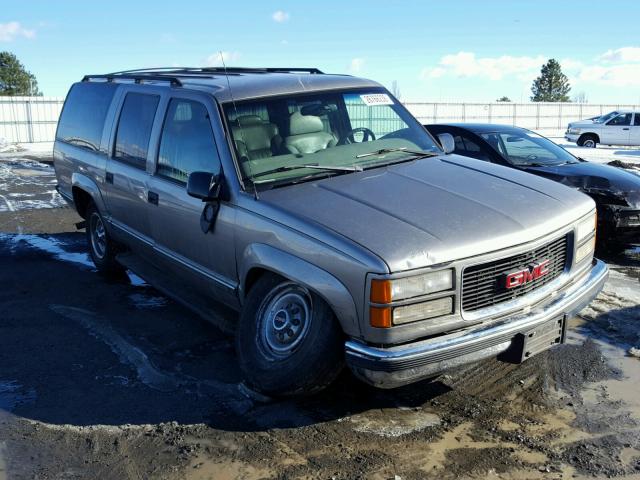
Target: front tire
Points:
(102, 247)
(288, 340)
(589, 141)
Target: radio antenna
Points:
(235, 109)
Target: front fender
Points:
(310, 276)
(83, 182)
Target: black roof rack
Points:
(173, 74)
(205, 70)
(136, 78)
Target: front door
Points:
(634, 136)
(207, 260)
(616, 131)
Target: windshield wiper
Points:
(286, 168)
(382, 151)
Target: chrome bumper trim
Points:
(398, 365)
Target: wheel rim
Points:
(589, 143)
(98, 236)
(284, 319)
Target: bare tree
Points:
(580, 97)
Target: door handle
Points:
(152, 197)
(626, 128)
(108, 177)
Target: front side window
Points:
(293, 138)
(187, 144)
(621, 120)
(134, 128)
(467, 147)
(524, 148)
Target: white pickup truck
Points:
(615, 128)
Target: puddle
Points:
(142, 301)
(393, 422)
(12, 394)
(49, 245)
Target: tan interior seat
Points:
(256, 138)
(307, 134)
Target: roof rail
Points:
(136, 78)
(222, 70)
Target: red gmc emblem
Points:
(521, 277)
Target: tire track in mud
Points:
(226, 395)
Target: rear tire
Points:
(102, 248)
(587, 140)
(288, 340)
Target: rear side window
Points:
(83, 115)
(134, 128)
(636, 121)
(187, 144)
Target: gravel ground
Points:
(107, 378)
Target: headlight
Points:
(586, 249)
(423, 311)
(586, 228)
(574, 131)
(387, 291)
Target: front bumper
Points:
(399, 365)
(572, 137)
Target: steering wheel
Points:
(348, 138)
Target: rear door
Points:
(616, 131)
(126, 175)
(634, 136)
(187, 144)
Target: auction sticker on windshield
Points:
(372, 99)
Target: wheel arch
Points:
(84, 190)
(259, 259)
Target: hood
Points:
(606, 184)
(583, 123)
(434, 210)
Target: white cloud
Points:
(280, 16)
(216, 59)
(356, 65)
(466, 64)
(616, 68)
(619, 55)
(12, 30)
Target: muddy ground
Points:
(109, 379)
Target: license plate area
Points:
(542, 337)
(527, 344)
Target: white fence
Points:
(34, 119)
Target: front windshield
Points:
(525, 148)
(293, 138)
(606, 118)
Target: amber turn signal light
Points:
(380, 291)
(380, 317)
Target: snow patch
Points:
(144, 302)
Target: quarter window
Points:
(134, 128)
(83, 115)
(187, 143)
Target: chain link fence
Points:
(34, 119)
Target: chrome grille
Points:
(484, 285)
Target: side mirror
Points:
(204, 185)
(447, 142)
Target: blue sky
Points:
(436, 51)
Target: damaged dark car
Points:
(616, 191)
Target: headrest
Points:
(246, 120)
(300, 124)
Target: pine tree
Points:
(503, 99)
(15, 80)
(552, 85)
